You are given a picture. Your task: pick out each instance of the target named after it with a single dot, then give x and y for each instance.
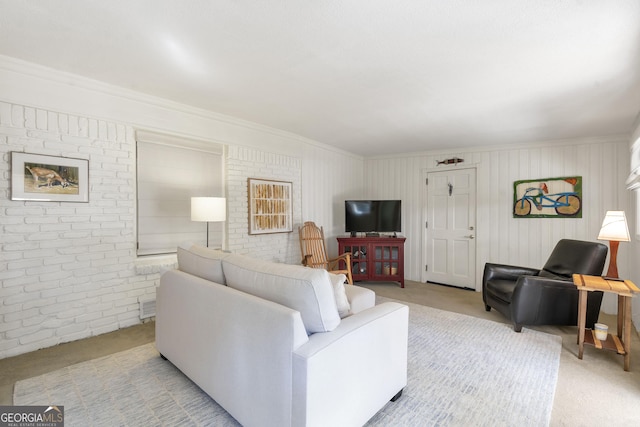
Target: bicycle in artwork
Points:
(545, 202)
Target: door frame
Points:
(424, 198)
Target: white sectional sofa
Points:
(280, 345)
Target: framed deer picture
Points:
(49, 178)
(270, 208)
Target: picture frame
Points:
(559, 197)
(270, 206)
(49, 178)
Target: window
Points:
(633, 181)
(171, 170)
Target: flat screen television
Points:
(373, 216)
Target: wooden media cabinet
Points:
(375, 259)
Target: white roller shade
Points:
(170, 172)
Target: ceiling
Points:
(373, 77)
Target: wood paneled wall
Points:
(603, 164)
(328, 179)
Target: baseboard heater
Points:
(147, 307)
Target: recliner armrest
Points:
(506, 272)
(528, 288)
(536, 300)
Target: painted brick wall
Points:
(243, 163)
(68, 269)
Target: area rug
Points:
(463, 371)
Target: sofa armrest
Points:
(345, 376)
(359, 298)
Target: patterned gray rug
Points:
(463, 371)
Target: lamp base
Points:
(613, 265)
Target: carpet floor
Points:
(462, 371)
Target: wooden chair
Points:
(314, 252)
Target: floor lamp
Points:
(615, 230)
(208, 209)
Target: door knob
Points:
(471, 236)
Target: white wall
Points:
(244, 163)
(323, 199)
(603, 164)
(633, 218)
(67, 268)
(69, 271)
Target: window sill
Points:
(156, 264)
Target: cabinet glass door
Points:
(386, 260)
(358, 259)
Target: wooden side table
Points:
(625, 289)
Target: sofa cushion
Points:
(202, 262)
(342, 302)
(306, 290)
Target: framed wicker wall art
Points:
(270, 207)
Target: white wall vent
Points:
(147, 307)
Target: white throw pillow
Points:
(344, 308)
(202, 262)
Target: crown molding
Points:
(46, 74)
(605, 139)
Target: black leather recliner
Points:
(530, 296)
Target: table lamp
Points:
(615, 230)
(208, 209)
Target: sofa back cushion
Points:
(202, 262)
(306, 290)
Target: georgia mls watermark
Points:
(31, 416)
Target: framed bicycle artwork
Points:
(548, 198)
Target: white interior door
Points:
(451, 207)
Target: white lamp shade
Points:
(614, 227)
(210, 209)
